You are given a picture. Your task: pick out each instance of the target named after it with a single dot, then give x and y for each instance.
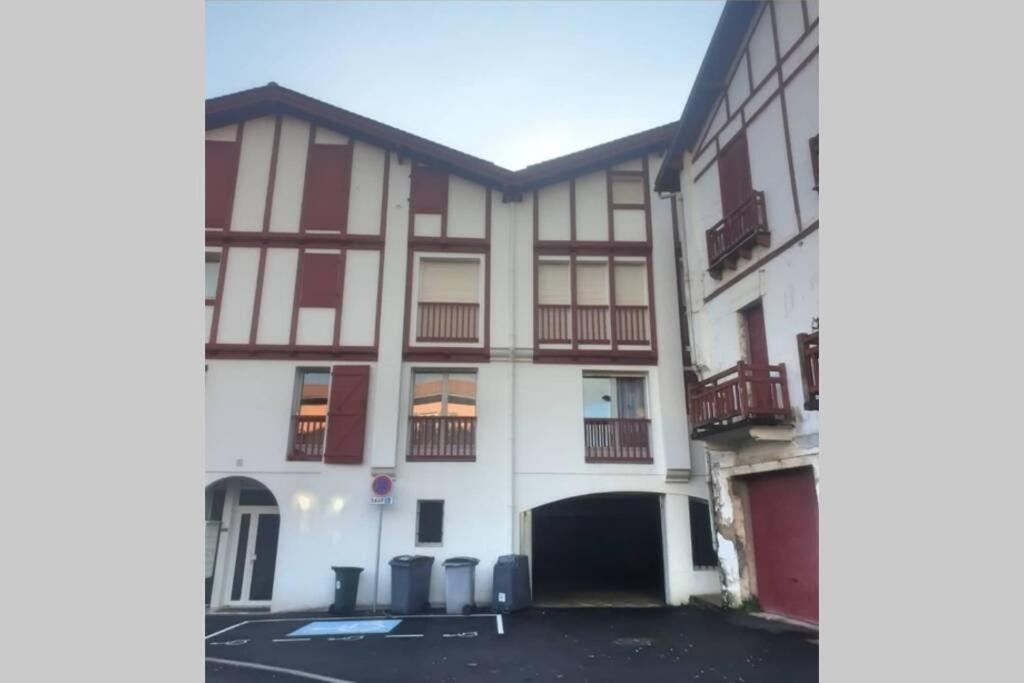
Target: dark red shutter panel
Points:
(221, 172)
(320, 280)
(734, 174)
(325, 195)
(346, 414)
(814, 159)
(429, 190)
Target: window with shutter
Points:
(630, 284)
(592, 284)
(320, 280)
(553, 284)
(429, 190)
(449, 281)
(346, 414)
(326, 191)
(221, 173)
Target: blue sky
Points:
(511, 82)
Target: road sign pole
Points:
(376, 573)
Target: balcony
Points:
(448, 322)
(743, 395)
(442, 438)
(808, 345)
(632, 324)
(307, 437)
(736, 234)
(622, 440)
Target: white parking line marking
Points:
(278, 669)
(291, 640)
(467, 634)
(353, 637)
(406, 635)
(389, 616)
(240, 641)
(223, 630)
(501, 624)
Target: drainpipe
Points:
(691, 328)
(512, 387)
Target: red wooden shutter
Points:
(346, 414)
(734, 174)
(814, 159)
(320, 280)
(221, 172)
(429, 190)
(325, 195)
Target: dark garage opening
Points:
(599, 550)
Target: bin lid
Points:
(347, 569)
(510, 559)
(409, 560)
(461, 562)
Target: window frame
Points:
(429, 544)
(297, 387)
(711, 534)
(445, 373)
(218, 258)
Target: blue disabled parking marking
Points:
(337, 628)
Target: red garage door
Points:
(784, 518)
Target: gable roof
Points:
(707, 87)
(272, 99)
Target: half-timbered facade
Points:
(742, 168)
(505, 344)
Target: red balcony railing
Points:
(631, 326)
(617, 440)
(307, 437)
(808, 345)
(449, 322)
(737, 234)
(554, 324)
(592, 325)
(745, 393)
(442, 438)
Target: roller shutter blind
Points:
(449, 282)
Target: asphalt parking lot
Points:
(593, 645)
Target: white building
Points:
(505, 344)
(743, 163)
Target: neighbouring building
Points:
(743, 169)
(505, 344)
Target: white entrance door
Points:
(255, 554)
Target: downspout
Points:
(691, 328)
(512, 387)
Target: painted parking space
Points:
(259, 632)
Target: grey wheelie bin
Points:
(512, 583)
(460, 584)
(410, 583)
(346, 585)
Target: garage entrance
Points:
(784, 521)
(598, 550)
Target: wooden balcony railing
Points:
(808, 345)
(631, 326)
(442, 438)
(746, 393)
(736, 234)
(554, 324)
(592, 325)
(617, 440)
(449, 322)
(307, 437)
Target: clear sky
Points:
(511, 82)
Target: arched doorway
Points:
(598, 550)
(242, 526)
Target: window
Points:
(614, 397)
(442, 425)
(309, 419)
(627, 190)
(212, 275)
(429, 522)
(703, 548)
(449, 300)
(615, 424)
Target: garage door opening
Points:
(600, 550)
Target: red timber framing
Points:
(306, 239)
(428, 194)
(614, 325)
